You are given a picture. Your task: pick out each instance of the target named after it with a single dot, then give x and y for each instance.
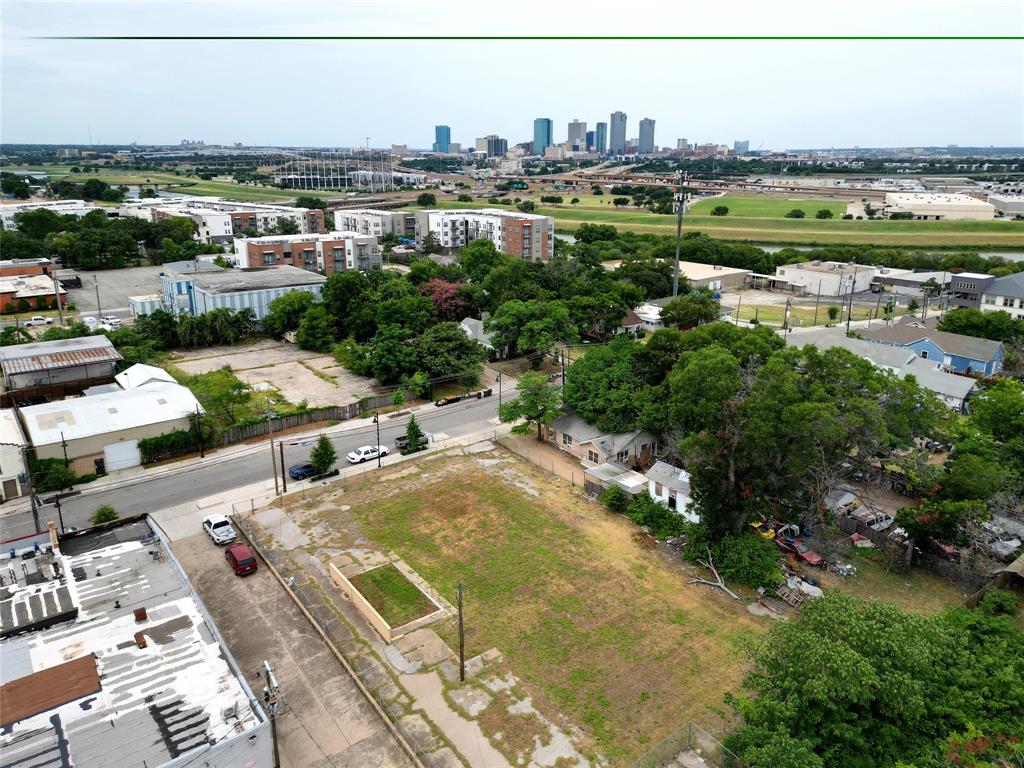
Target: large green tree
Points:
(286, 311)
(444, 351)
(538, 403)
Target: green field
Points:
(782, 230)
(396, 599)
(766, 207)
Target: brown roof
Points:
(48, 688)
(908, 331)
(62, 353)
(630, 319)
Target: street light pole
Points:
(284, 475)
(376, 421)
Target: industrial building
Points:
(218, 220)
(25, 267)
(100, 433)
(51, 369)
(110, 658)
(196, 293)
(936, 207)
(61, 207)
(327, 253)
(370, 221)
(1010, 206)
(827, 278)
(524, 235)
(904, 282)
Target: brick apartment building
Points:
(524, 235)
(324, 253)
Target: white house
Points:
(670, 485)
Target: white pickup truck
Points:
(39, 320)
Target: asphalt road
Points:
(200, 481)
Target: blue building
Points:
(196, 293)
(542, 134)
(442, 138)
(953, 351)
(601, 138)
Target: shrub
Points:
(720, 210)
(661, 521)
(998, 602)
(465, 198)
(823, 213)
(847, 216)
(50, 475)
(744, 559)
(103, 514)
(616, 499)
(796, 213)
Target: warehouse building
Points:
(328, 253)
(524, 235)
(1010, 206)
(906, 283)
(100, 433)
(54, 369)
(936, 207)
(196, 293)
(827, 278)
(110, 658)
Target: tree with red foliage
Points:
(445, 295)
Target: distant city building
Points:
(442, 138)
(480, 144)
(328, 253)
(496, 146)
(682, 144)
(543, 131)
(590, 141)
(741, 147)
(577, 135)
(554, 152)
(617, 136)
(631, 146)
(454, 148)
(645, 146)
(935, 207)
(601, 138)
(525, 235)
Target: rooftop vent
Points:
(141, 615)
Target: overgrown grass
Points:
(396, 599)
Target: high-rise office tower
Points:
(496, 146)
(543, 130)
(741, 147)
(617, 135)
(577, 134)
(645, 145)
(601, 138)
(682, 144)
(442, 138)
(590, 141)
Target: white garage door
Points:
(121, 455)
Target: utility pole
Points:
(849, 309)
(199, 432)
(60, 516)
(99, 311)
(31, 490)
(273, 456)
(270, 694)
(64, 446)
(462, 636)
(499, 390)
(376, 422)
(739, 303)
(284, 475)
(680, 209)
(785, 318)
(816, 301)
(56, 295)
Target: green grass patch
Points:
(767, 207)
(395, 598)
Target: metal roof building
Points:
(109, 658)
(44, 363)
(252, 288)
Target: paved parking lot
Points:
(325, 720)
(116, 285)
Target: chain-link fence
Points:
(689, 747)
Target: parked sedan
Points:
(367, 452)
(241, 559)
(793, 546)
(219, 528)
(301, 471)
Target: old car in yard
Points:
(794, 546)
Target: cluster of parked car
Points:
(239, 556)
(787, 538)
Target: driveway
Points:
(325, 720)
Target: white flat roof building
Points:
(830, 278)
(63, 207)
(109, 658)
(1008, 205)
(926, 206)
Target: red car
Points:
(241, 559)
(801, 551)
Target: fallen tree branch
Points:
(718, 582)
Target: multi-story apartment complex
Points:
(217, 220)
(645, 145)
(525, 235)
(617, 137)
(543, 132)
(62, 207)
(601, 138)
(325, 253)
(369, 221)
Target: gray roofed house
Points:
(1005, 294)
(474, 329)
(955, 351)
(592, 445)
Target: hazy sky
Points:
(775, 93)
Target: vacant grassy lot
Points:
(596, 624)
(396, 599)
(782, 230)
(767, 207)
